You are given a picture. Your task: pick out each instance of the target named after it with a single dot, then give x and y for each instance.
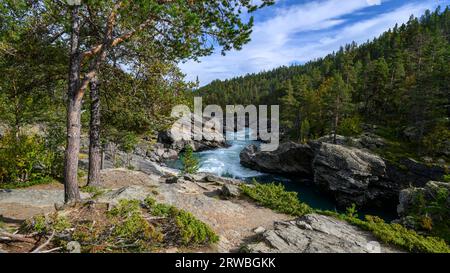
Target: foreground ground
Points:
(240, 224)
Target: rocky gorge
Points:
(350, 173)
(349, 170)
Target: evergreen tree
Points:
(190, 163)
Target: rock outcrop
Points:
(348, 170)
(290, 158)
(350, 174)
(409, 172)
(409, 198)
(315, 233)
(185, 129)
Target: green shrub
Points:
(61, 223)
(350, 126)
(275, 197)
(194, 231)
(162, 210)
(125, 208)
(446, 178)
(437, 140)
(94, 191)
(305, 130)
(432, 214)
(400, 236)
(395, 234)
(27, 160)
(190, 161)
(352, 212)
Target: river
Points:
(225, 162)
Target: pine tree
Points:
(189, 161)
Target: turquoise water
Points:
(226, 162)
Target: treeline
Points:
(399, 81)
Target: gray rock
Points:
(211, 138)
(348, 173)
(408, 197)
(194, 177)
(34, 198)
(117, 159)
(409, 172)
(366, 140)
(172, 179)
(74, 247)
(125, 193)
(289, 158)
(315, 233)
(209, 178)
(230, 191)
(259, 230)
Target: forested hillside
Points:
(399, 81)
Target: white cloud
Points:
(374, 2)
(299, 33)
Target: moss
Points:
(275, 197)
(193, 231)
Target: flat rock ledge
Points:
(314, 233)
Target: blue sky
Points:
(297, 31)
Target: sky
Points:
(297, 31)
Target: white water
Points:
(226, 161)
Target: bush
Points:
(350, 126)
(275, 197)
(395, 234)
(189, 161)
(437, 140)
(400, 236)
(305, 130)
(24, 160)
(194, 231)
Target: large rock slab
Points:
(25, 203)
(185, 128)
(36, 198)
(350, 174)
(289, 158)
(316, 233)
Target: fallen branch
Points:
(52, 250)
(39, 248)
(15, 237)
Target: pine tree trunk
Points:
(95, 151)
(71, 192)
